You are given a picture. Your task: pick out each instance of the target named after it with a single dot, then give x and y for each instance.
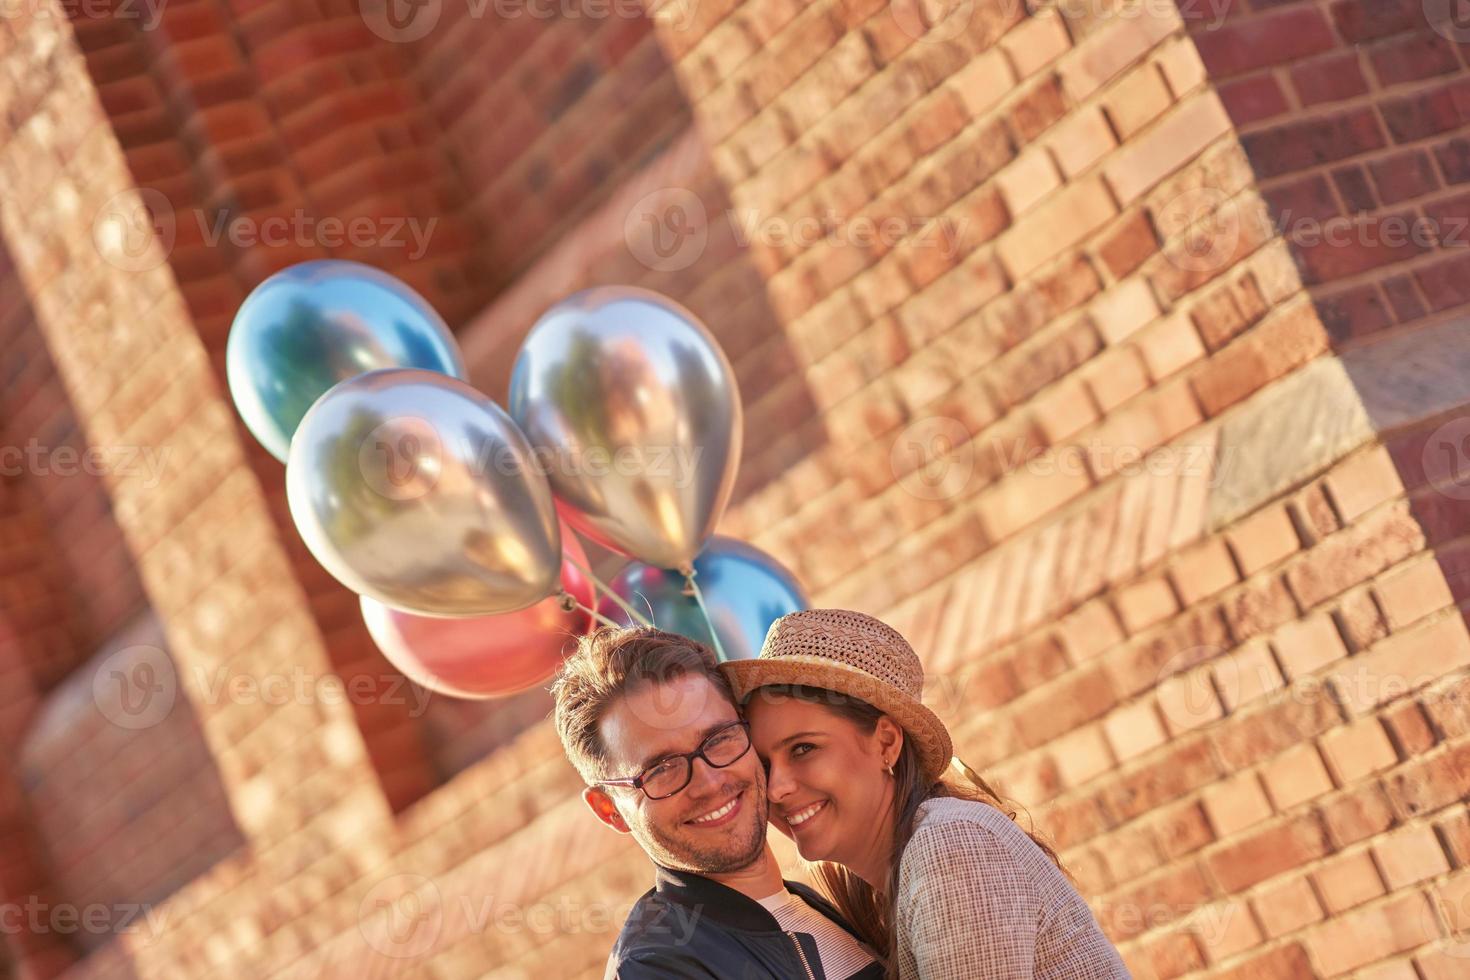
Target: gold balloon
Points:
(415, 489)
(635, 417)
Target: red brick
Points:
(1364, 20)
(1355, 554)
(1445, 284)
(1080, 140)
(1411, 58)
(1424, 785)
(1313, 515)
(1331, 79)
(1145, 603)
(1363, 482)
(1186, 767)
(1037, 110)
(1169, 955)
(1037, 42)
(1129, 245)
(1294, 147)
(1244, 44)
(1358, 750)
(1408, 594)
(1353, 187)
(1355, 313)
(1250, 100)
(1064, 220)
(1403, 176)
(1358, 814)
(1267, 853)
(1295, 776)
(1454, 159)
(1409, 729)
(1176, 139)
(1181, 830)
(1287, 907)
(1203, 571)
(1424, 114)
(1262, 539)
(1287, 962)
(1247, 740)
(1134, 729)
(1136, 101)
(1277, 346)
(1077, 699)
(1105, 54)
(1234, 804)
(1348, 880)
(1359, 620)
(1410, 856)
(1259, 607)
(1373, 933)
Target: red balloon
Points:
(486, 656)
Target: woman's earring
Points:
(890, 769)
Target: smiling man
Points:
(651, 724)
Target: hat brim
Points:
(931, 739)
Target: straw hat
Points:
(853, 654)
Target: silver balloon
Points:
(415, 489)
(635, 416)
(317, 323)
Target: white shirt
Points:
(842, 955)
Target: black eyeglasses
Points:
(669, 775)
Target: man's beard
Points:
(740, 848)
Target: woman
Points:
(930, 869)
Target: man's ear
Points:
(605, 808)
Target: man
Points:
(651, 724)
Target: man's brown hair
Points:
(606, 665)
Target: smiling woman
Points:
(932, 872)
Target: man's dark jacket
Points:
(689, 926)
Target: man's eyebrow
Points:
(791, 738)
(655, 760)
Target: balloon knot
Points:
(567, 600)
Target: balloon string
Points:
(597, 582)
(692, 588)
(599, 617)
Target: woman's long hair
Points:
(870, 910)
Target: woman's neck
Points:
(871, 863)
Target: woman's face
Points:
(827, 779)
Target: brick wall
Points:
(1072, 341)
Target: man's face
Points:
(647, 724)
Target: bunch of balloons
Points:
(453, 519)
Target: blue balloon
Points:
(317, 323)
(745, 589)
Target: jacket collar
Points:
(724, 905)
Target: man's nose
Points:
(703, 776)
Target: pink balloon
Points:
(486, 656)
